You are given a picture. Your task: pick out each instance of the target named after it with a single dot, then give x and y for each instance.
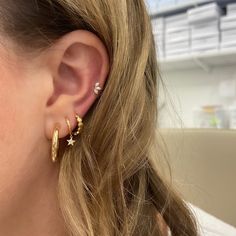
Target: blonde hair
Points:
(110, 182)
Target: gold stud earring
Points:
(80, 124)
(55, 145)
(70, 141)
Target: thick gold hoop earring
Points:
(55, 145)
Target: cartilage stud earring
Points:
(97, 88)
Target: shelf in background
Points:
(177, 8)
(206, 61)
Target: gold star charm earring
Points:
(70, 141)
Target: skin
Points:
(35, 95)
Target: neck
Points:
(35, 211)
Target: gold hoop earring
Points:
(55, 145)
(70, 141)
(80, 124)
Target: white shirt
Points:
(210, 225)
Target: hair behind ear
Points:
(105, 178)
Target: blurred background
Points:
(196, 51)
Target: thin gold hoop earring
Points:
(55, 145)
(70, 141)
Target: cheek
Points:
(9, 117)
(21, 119)
(18, 119)
(11, 139)
(15, 128)
(21, 132)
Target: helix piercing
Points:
(97, 88)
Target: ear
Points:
(76, 62)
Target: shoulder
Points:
(210, 225)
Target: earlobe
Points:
(79, 70)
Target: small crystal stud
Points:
(97, 88)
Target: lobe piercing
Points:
(70, 141)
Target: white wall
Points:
(191, 88)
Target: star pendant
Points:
(71, 141)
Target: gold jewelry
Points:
(80, 124)
(55, 145)
(70, 141)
